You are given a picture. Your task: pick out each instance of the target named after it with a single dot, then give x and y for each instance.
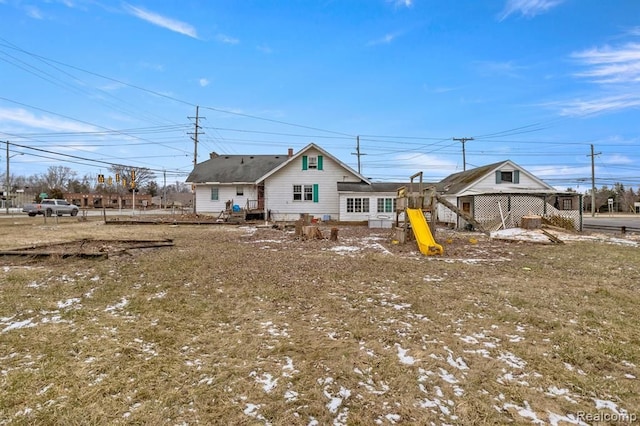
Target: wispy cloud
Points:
(386, 39)
(34, 12)
(527, 8)
(25, 118)
(401, 3)
(508, 68)
(580, 108)
(222, 38)
(162, 21)
(611, 64)
(204, 82)
(413, 160)
(264, 49)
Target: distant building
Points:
(99, 201)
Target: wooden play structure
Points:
(414, 203)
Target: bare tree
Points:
(58, 177)
(140, 176)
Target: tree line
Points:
(62, 179)
(623, 199)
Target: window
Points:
(313, 162)
(306, 193)
(357, 205)
(386, 205)
(239, 190)
(508, 177)
(214, 194)
(567, 204)
(297, 192)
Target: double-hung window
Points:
(386, 205)
(214, 193)
(305, 193)
(357, 205)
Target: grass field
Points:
(246, 325)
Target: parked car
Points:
(50, 207)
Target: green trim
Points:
(305, 161)
(319, 162)
(315, 192)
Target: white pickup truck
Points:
(50, 207)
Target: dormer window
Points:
(312, 162)
(508, 176)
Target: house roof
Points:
(235, 168)
(458, 181)
(251, 168)
(325, 153)
(461, 181)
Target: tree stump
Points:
(311, 233)
(334, 234)
(531, 222)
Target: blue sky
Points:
(534, 81)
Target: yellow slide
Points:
(424, 238)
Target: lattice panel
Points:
(487, 210)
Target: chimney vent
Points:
(213, 154)
(290, 153)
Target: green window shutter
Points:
(498, 176)
(315, 192)
(304, 162)
(516, 176)
(319, 162)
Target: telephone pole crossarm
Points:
(464, 159)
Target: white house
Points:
(281, 186)
(505, 191)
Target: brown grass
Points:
(237, 325)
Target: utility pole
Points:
(593, 180)
(358, 153)
(464, 159)
(6, 183)
(195, 146)
(164, 189)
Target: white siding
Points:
(488, 184)
(373, 206)
(226, 192)
(279, 189)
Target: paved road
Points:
(632, 221)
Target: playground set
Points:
(415, 202)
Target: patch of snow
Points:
(610, 405)
(336, 401)
(66, 303)
(119, 305)
(266, 380)
(404, 358)
(457, 363)
(558, 420)
(447, 377)
(344, 249)
(512, 360)
(291, 396)
(19, 324)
